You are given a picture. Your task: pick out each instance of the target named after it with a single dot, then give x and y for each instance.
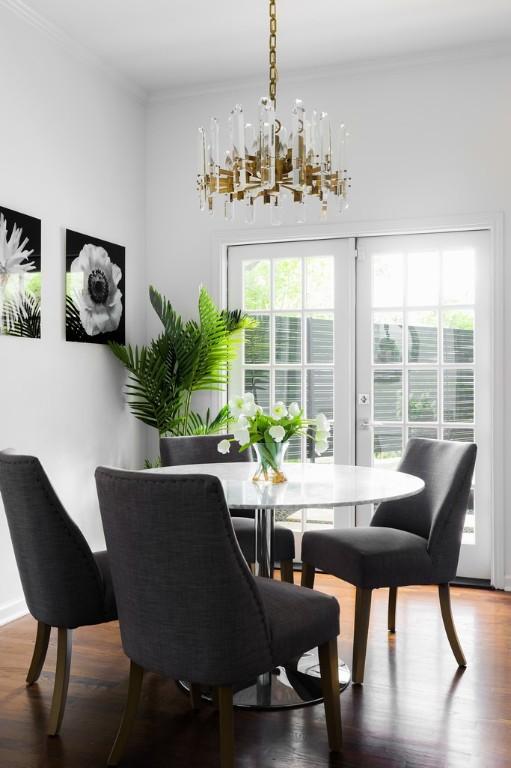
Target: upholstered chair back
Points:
(199, 449)
(438, 512)
(188, 605)
(202, 449)
(62, 584)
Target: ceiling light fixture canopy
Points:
(270, 163)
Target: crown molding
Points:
(461, 54)
(73, 47)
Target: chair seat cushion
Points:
(244, 528)
(110, 607)
(370, 557)
(299, 618)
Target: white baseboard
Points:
(11, 611)
(507, 583)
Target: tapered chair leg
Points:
(226, 727)
(362, 613)
(392, 609)
(196, 696)
(308, 573)
(40, 650)
(329, 666)
(445, 605)
(58, 704)
(130, 711)
(286, 571)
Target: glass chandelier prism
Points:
(267, 162)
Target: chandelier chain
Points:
(273, 51)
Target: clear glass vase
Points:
(270, 458)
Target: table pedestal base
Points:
(291, 687)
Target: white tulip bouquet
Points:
(269, 434)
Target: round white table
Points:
(309, 485)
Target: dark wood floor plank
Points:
(415, 709)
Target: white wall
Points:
(428, 139)
(72, 154)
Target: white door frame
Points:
(494, 223)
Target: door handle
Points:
(365, 424)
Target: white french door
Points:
(423, 359)
(392, 344)
(303, 297)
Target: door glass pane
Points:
(458, 330)
(429, 432)
(256, 284)
(458, 277)
(287, 285)
(388, 395)
(423, 337)
(387, 337)
(257, 341)
(288, 338)
(387, 280)
(288, 386)
(459, 395)
(319, 282)
(422, 395)
(460, 434)
(320, 338)
(320, 392)
(257, 381)
(387, 446)
(423, 270)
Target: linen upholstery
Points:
(65, 585)
(202, 449)
(370, 557)
(409, 541)
(189, 607)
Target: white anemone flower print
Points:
(12, 252)
(99, 300)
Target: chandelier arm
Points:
(273, 52)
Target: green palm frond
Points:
(187, 357)
(22, 316)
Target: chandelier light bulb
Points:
(266, 162)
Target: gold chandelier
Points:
(269, 163)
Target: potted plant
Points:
(185, 358)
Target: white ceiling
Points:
(168, 44)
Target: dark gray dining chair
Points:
(65, 584)
(202, 449)
(411, 541)
(189, 607)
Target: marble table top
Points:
(309, 485)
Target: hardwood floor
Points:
(415, 710)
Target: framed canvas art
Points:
(95, 304)
(20, 274)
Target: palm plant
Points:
(186, 357)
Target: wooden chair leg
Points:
(308, 573)
(286, 571)
(58, 704)
(445, 605)
(362, 613)
(40, 650)
(329, 665)
(196, 696)
(130, 711)
(392, 609)
(226, 727)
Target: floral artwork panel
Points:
(95, 303)
(20, 274)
